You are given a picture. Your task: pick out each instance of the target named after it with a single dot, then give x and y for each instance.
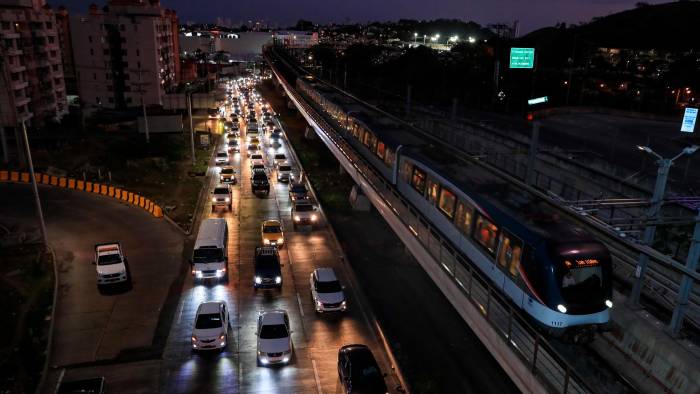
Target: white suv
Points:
(222, 158)
(221, 196)
(274, 339)
(326, 291)
(211, 326)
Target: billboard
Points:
(689, 118)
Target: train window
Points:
(510, 251)
(433, 191)
(389, 157)
(447, 202)
(485, 233)
(367, 138)
(418, 180)
(407, 171)
(381, 150)
(463, 217)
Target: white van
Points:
(209, 258)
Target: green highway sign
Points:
(522, 57)
(538, 100)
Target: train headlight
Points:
(561, 308)
(608, 303)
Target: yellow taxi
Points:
(271, 232)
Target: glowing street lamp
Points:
(471, 40)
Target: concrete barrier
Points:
(89, 187)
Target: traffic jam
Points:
(270, 305)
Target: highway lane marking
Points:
(301, 310)
(179, 315)
(318, 381)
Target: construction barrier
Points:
(90, 187)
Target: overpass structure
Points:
(524, 353)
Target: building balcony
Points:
(16, 68)
(9, 35)
(17, 85)
(14, 52)
(22, 101)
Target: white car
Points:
(280, 158)
(284, 173)
(211, 326)
(222, 196)
(110, 263)
(222, 158)
(257, 158)
(274, 339)
(326, 291)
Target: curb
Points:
(367, 311)
(49, 343)
(119, 194)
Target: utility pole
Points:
(691, 263)
(189, 96)
(651, 216)
(143, 105)
(534, 142)
(37, 201)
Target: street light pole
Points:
(691, 263)
(37, 201)
(189, 110)
(651, 215)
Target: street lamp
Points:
(652, 214)
(415, 37)
(471, 40)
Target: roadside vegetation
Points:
(26, 297)
(161, 170)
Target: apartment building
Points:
(32, 88)
(124, 51)
(66, 45)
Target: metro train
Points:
(549, 267)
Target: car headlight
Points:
(608, 303)
(266, 241)
(280, 240)
(343, 303)
(213, 199)
(285, 359)
(258, 280)
(198, 274)
(561, 308)
(222, 336)
(297, 218)
(194, 338)
(227, 199)
(319, 304)
(313, 218)
(278, 279)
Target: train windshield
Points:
(581, 276)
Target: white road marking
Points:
(301, 310)
(318, 381)
(179, 315)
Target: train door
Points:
(510, 251)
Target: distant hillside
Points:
(670, 26)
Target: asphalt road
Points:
(316, 338)
(92, 325)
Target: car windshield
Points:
(273, 331)
(258, 166)
(259, 176)
(328, 287)
(365, 374)
(108, 259)
(256, 157)
(227, 171)
(252, 147)
(220, 190)
(208, 320)
(280, 157)
(285, 168)
(207, 255)
(298, 189)
(272, 229)
(222, 154)
(304, 208)
(233, 142)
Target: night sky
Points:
(532, 14)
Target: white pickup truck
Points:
(110, 263)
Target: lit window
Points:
(418, 180)
(381, 150)
(433, 191)
(447, 203)
(509, 253)
(463, 217)
(485, 233)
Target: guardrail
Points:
(88, 187)
(525, 341)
